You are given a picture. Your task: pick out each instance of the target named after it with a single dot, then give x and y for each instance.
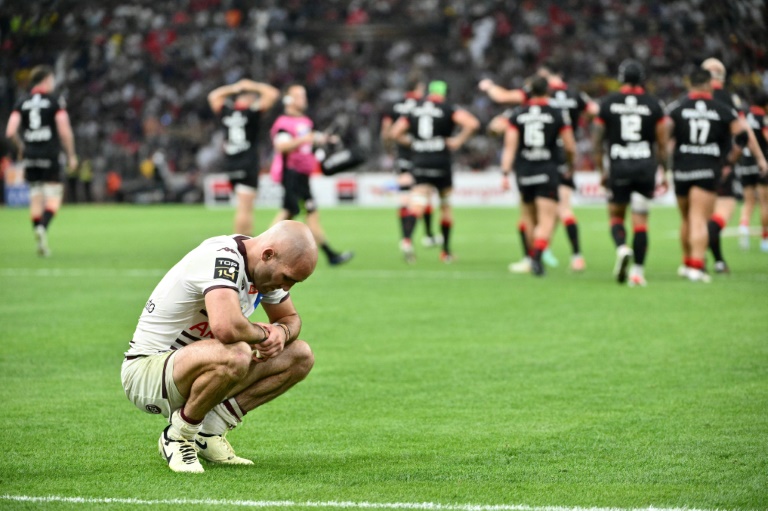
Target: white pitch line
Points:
(79, 272)
(428, 506)
(378, 274)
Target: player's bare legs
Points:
(334, 258)
(207, 371)
(565, 213)
(446, 225)
(44, 203)
(721, 215)
(268, 380)
(244, 197)
(696, 211)
(281, 215)
(417, 203)
(750, 199)
(616, 215)
(762, 195)
(545, 211)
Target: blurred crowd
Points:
(136, 74)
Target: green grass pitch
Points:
(452, 384)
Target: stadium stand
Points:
(136, 74)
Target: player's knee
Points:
(236, 361)
(303, 358)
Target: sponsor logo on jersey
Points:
(153, 409)
(252, 290)
(227, 249)
(226, 269)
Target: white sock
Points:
(221, 418)
(182, 429)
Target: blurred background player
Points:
(725, 204)
(416, 87)
(240, 107)
(39, 126)
(575, 104)
(531, 149)
(702, 129)
(754, 183)
(631, 123)
(431, 124)
(293, 138)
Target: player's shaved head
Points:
(715, 67)
(293, 242)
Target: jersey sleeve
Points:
(276, 296)
(61, 102)
(213, 266)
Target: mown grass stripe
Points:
(431, 506)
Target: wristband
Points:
(264, 331)
(286, 329)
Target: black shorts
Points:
(442, 179)
(42, 170)
(749, 175)
(541, 184)
(706, 179)
(242, 171)
(623, 181)
(296, 192)
(403, 165)
(567, 180)
(726, 186)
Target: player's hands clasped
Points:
(272, 346)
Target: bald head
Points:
(715, 67)
(281, 256)
(292, 241)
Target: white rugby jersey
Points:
(175, 315)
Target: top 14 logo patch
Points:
(227, 269)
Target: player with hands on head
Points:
(197, 359)
(240, 107)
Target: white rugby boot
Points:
(181, 455)
(432, 241)
(623, 257)
(41, 236)
(636, 277)
(522, 266)
(744, 237)
(217, 449)
(696, 275)
(406, 247)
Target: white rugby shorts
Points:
(148, 384)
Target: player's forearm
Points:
(465, 133)
(67, 139)
(597, 146)
(288, 146)
(754, 146)
(237, 329)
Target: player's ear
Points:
(267, 254)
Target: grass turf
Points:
(433, 383)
